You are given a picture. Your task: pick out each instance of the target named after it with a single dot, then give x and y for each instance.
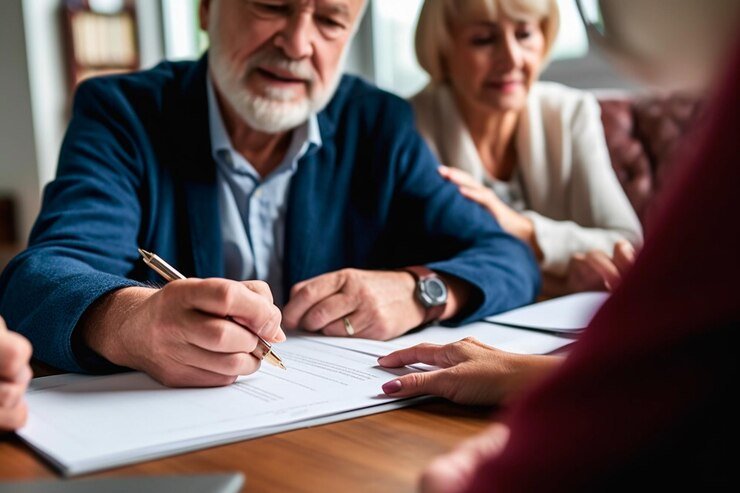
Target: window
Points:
(572, 41)
(394, 57)
(183, 39)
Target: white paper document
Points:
(84, 423)
(570, 313)
(508, 339)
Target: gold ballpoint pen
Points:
(263, 349)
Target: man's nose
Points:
(296, 38)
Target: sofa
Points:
(642, 134)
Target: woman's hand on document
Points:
(469, 372)
(15, 373)
(180, 334)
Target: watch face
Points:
(432, 292)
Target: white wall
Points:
(360, 56)
(18, 163)
(48, 79)
(588, 72)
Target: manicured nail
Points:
(392, 387)
(380, 359)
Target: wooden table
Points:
(380, 453)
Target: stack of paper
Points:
(567, 315)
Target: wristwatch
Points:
(431, 292)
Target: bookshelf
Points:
(99, 42)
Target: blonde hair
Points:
(433, 38)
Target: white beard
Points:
(270, 114)
(277, 110)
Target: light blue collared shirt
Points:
(253, 209)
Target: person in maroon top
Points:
(643, 400)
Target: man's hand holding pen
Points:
(180, 334)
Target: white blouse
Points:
(570, 190)
(510, 192)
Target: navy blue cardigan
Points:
(135, 170)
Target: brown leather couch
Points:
(642, 134)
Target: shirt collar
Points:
(305, 136)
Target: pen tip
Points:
(144, 253)
(283, 366)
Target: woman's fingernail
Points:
(380, 359)
(392, 387)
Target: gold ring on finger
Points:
(348, 326)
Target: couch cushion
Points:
(641, 134)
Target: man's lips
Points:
(280, 76)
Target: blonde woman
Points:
(532, 153)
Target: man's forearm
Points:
(103, 326)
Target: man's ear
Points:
(205, 7)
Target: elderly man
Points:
(260, 161)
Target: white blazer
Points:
(572, 194)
